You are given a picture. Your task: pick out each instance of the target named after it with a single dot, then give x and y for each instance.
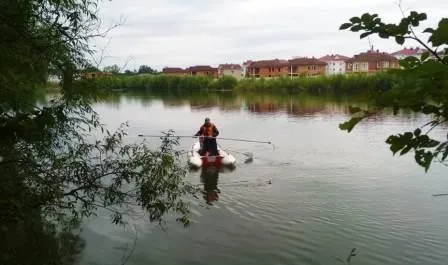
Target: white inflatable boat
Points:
(195, 160)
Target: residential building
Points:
(371, 62)
(268, 68)
(234, 70)
(407, 52)
(306, 67)
(245, 66)
(203, 70)
(335, 64)
(174, 71)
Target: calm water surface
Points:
(309, 199)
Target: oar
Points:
(219, 138)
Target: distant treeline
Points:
(357, 83)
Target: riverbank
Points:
(352, 84)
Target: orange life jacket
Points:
(207, 131)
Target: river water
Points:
(309, 198)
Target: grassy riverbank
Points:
(356, 84)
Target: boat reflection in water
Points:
(209, 177)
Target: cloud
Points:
(182, 33)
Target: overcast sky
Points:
(181, 33)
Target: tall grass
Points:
(338, 84)
(349, 84)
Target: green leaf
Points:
(356, 28)
(353, 110)
(350, 124)
(403, 27)
(399, 39)
(355, 20)
(430, 109)
(405, 150)
(417, 132)
(422, 16)
(424, 56)
(345, 26)
(365, 34)
(423, 158)
(383, 34)
(440, 35)
(366, 17)
(413, 14)
(428, 30)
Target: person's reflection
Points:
(209, 176)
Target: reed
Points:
(340, 84)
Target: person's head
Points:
(207, 121)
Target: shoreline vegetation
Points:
(337, 84)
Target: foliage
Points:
(73, 175)
(225, 83)
(115, 69)
(91, 68)
(422, 84)
(338, 84)
(55, 171)
(145, 69)
(352, 84)
(145, 83)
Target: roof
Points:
(372, 56)
(306, 61)
(269, 63)
(230, 67)
(409, 51)
(334, 57)
(201, 68)
(173, 70)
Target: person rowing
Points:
(207, 132)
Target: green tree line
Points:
(341, 84)
(53, 175)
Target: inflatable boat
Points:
(223, 158)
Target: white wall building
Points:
(335, 64)
(406, 52)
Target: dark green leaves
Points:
(358, 116)
(354, 110)
(355, 20)
(350, 124)
(398, 142)
(428, 30)
(420, 86)
(424, 56)
(399, 39)
(417, 142)
(365, 34)
(423, 158)
(440, 35)
(345, 26)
